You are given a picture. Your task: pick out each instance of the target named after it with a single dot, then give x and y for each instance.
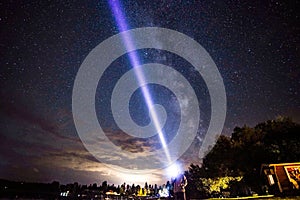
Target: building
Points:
(282, 178)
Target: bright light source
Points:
(173, 170)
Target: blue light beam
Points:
(117, 11)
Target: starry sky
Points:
(254, 44)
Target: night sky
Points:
(254, 44)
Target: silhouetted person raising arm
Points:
(179, 187)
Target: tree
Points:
(104, 186)
(242, 154)
(214, 163)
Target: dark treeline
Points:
(54, 190)
(242, 154)
(14, 190)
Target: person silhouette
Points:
(179, 185)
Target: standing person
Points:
(169, 187)
(179, 187)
